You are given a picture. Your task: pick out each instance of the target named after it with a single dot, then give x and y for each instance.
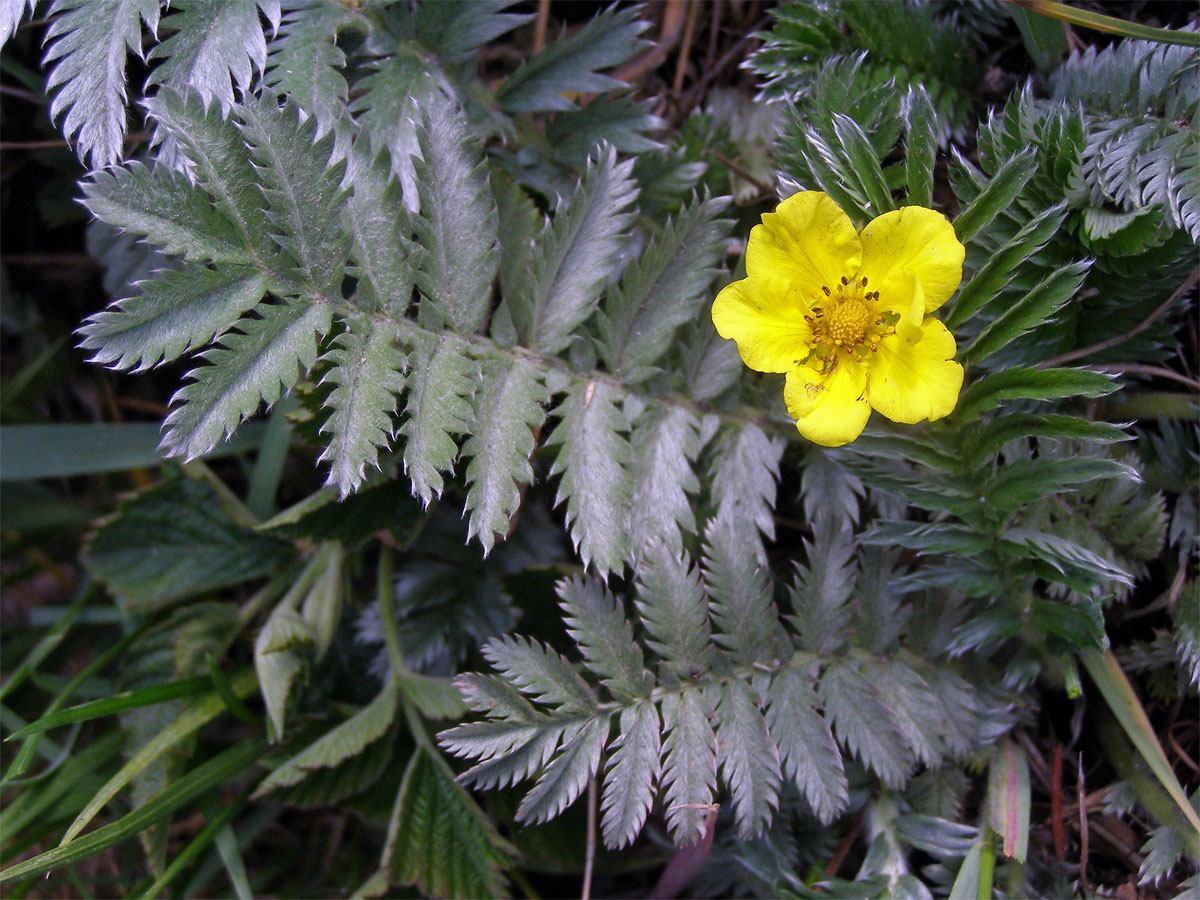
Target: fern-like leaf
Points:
(216, 46)
(304, 192)
(592, 459)
(167, 210)
(382, 255)
(743, 474)
(509, 411)
(304, 61)
(749, 758)
(367, 375)
(864, 723)
(457, 223)
(253, 365)
(87, 43)
(440, 840)
(577, 254)
(217, 156)
(599, 628)
(673, 608)
(664, 446)
(438, 407)
(689, 764)
(388, 104)
(808, 753)
(177, 312)
(821, 598)
(568, 773)
(662, 288)
(540, 672)
(632, 771)
(739, 589)
(572, 63)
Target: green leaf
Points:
(189, 720)
(216, 46)
(439, 840)
(1119, 695)
(592, 459)
(388, 105)
(203, 778)
(540, 672)
(740, 592)
(743, 474)
(568, 773)
(440, 383)
(115, 703)
(454, 31)
(1035, 308)
(991, 437)
(863, 722)
(322, 606)
(303, 188)
(281, 654)
(382, 256)
(689, 771)
(620, 120)
(938, 537)
(1000, 191)
(457, 224)
(808, 753)
(509, 412)
(367, 376)
(576, 254)
(304, 61)
(87, 43)
(1008, 798)
(864, 164)
(821, 596)
(164, 207)
(572, 63)
(632, 770)
(660, 290)
(519, 225)
(986, 285)
(597, 623)
(181, 310)
(219, 161)
(57, 451)
(664, 445)
(370, 724)
(674, 611)
(248, 367)
(1030, 384)
(920, 145)
(175, 540)
(1022, 481)
(749, 758)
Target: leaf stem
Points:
(387, 609)
(589, 854)
(987, 863)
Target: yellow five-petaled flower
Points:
(846, 314)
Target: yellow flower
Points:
(845, 314)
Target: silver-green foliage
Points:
(720, 654)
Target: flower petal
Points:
(917, 239)
(911, 382)
(766, 317)
(829, 410)
(808, 240)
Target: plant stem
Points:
(987, 863)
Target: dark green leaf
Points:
(173, 541)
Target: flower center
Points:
(845, 319)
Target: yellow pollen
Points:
(846, 323)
